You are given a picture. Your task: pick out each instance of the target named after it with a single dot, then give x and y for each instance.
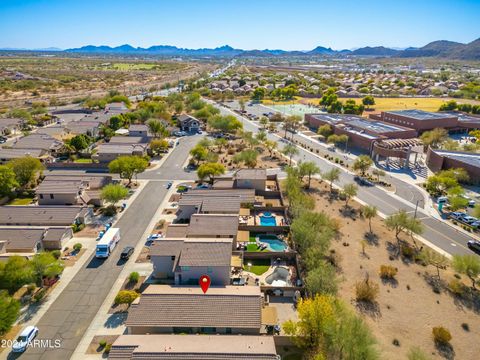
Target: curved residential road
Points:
(436, 232)
(68, 318)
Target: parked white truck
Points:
(107, 243)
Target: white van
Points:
(107, 243)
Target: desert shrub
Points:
(456, 287)
(102, 343)
(441, 335)
(56, 254)
(415, 353)
(388, 272)
(110, 210)
(77, 247)
(107, 348)
(31, 288)
(407, 251)
(465, 327)
(134, 277)
(366, 291)
(161, 224)
(77, 227)
(125, 297)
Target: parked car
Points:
(474, 245)
(25, 337)
(362, 181)
(456, 215)
(127, 252)
(442, 200)
(469, 219)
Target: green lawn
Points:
(259, 266)
(83, 161)
(21, 201)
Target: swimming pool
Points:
(268, 221)
(273, 242)
(279, 277)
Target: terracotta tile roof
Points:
(206, 252)
(166, 247)
(258, 174)
(247, 195)
(39, 215)
(55, 233)
(18, 153)
(195, 252)
(37, 141)
(194, 347)
(213, 225)
(176, 231)
(21, 239)
(212, 204)
(184, 306)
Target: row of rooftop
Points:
(203, 241)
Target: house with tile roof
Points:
(187, 259)
(199, 347)
(186, 309)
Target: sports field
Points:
(385, 104)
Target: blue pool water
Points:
(273, 242)
(267, 221)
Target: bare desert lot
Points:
(61, 79)
(415, 301)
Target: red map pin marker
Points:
(204, 283)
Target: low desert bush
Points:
(441, 335)
(388, 272)
(107, 348)
(366, 291)
(456, 287)
(56, 254)
(134, 277)
(102, 343)
(77, 247)
(125, 297)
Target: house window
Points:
(228, 330)
(51, 196)
(185, 268)
(41, 196)
(208, 330)
(173, 258)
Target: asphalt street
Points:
(436, 232)
(72, 312)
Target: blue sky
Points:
(246, 24)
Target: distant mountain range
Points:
(440, 49)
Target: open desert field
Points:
(61, 79)
(411, 304)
